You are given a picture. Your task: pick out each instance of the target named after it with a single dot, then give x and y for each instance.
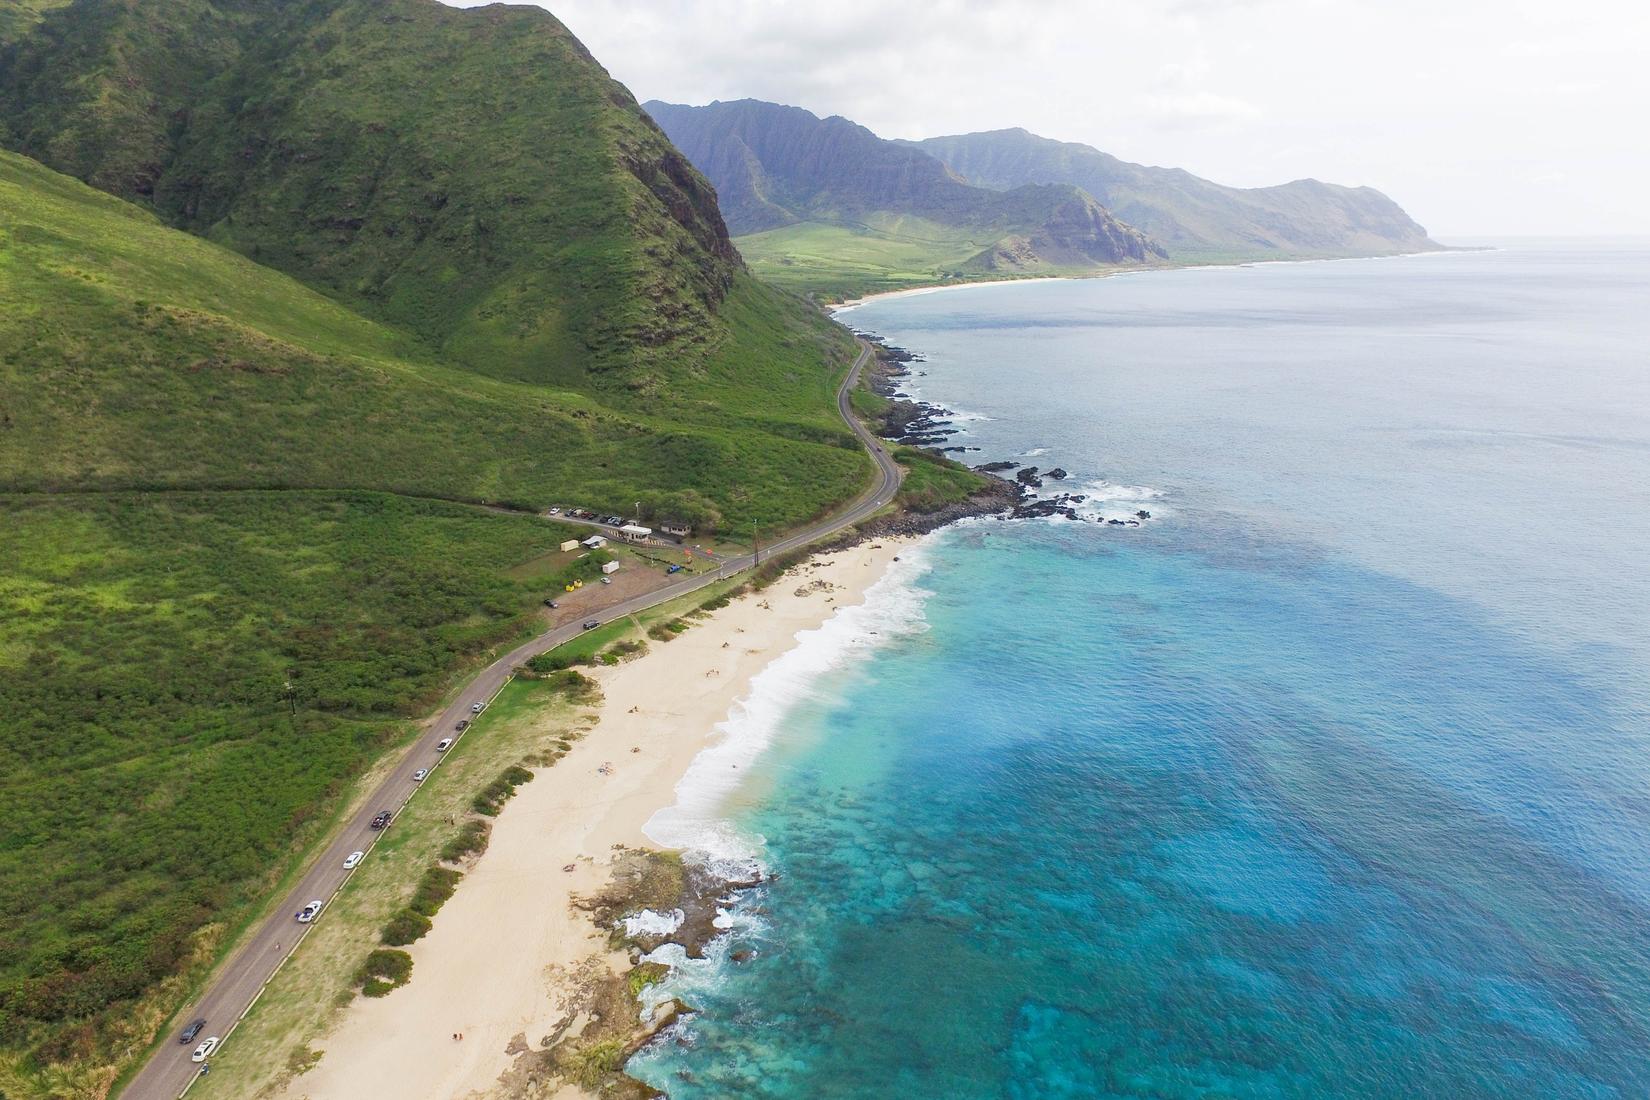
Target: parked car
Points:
(555, 511)
(381, 820)
(463, 724)
(192, 1030)
(420, 774)
(607, 580)
(204, 1049)
(475, 708)
(592, 624)
(353, 860)
(674, 569)
(310, 911)
(551, 604)
(444, 744)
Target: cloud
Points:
(1443, 106)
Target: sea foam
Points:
(696, 823)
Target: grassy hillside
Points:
(135, 356)
(471, 176)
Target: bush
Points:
(546, 663)
(404, 928)
(574, 684)
(493, 797)
(383, 970)
(664, 632)
(471, 839)
(434, 889)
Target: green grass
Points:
(134, 356)
(834, 262)
(147, 645)
(932, 481)
(529, 720)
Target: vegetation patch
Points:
(933, 481)
(383, 970)
(493, 796)
(625, 650)
(665, 631)
(470, 840)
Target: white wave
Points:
(1107, 500)
(695, 823)
(1035, 452)
(651, 922)
(963, 416)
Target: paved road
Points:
(238, 983)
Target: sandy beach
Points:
(502, 964)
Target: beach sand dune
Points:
(502, 964)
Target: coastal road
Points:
(231, 992)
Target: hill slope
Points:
(1192, 217)
(782, 173)
(472, 176)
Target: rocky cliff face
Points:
(775, 166)
(470, 175)
(1191, 216)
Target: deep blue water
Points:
(1330, 780)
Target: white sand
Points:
(501, 959)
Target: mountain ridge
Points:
(1193, 217)
(776, 166)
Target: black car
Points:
(463, 724)
(192, 1030)
(551, 603)
(592, 624)
(381, 820)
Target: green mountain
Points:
(1192, 217)
(810, 198)
(318, 274)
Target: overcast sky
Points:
(1481, 117)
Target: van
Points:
(444, 744)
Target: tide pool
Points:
(1330, 781)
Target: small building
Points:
(595, 542)
(681, 528)
(610, 567)
(570, 544)
(631, 532)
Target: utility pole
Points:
(756, 546)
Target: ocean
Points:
(1330, 779)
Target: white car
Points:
(476, 709)
(555, 511)
(207, 1047)
(418, 776)
(310, 911)
(444, 744)
(354, 860)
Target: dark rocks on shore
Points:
(1143, 514)
(999, 497)
(1057, 474)
(996, 467)
(1043, 507)
(1029, 478)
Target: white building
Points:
(610, 567)
(632, 533)
(596, 542)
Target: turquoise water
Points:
(1331, 780)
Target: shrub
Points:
(405, 927)
(471, 839)
(383, 970)
(493, 797)
(434, 889)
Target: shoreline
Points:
(849, 304)
(512, 956)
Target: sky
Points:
(1481, 117)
